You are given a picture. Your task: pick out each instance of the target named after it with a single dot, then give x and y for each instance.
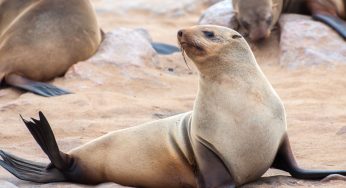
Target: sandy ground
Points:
(315, 100)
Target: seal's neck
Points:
(235, 66)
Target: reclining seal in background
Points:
(40, 40)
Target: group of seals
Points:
(40, 40)
(235, 133)
(256, 18)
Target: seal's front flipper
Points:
(39, 88)
(285, 161)
(336, 23)
(210, 169)
(164, 49)
(38, 172)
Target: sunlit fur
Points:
(236, 109)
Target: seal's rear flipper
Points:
(285, 161)
(336, 23)
(61, 167)
(43, 134)
(38, 88)
(29, 170)
(164, 49)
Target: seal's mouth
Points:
(182, 45)
(186, 45)
(190, 45)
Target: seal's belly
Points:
(155, 154)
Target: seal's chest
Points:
(252, 151)
(247, 149)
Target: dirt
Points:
(314, 97)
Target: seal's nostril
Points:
(180, 33)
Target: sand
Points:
(315, 100)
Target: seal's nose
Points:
(259, 34)
(180, 33)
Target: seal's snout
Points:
(182, 36)
(180, 33)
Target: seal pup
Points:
(235, 133)
(40, 40)
(257, 18)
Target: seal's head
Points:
(257, 17)
(211, 47)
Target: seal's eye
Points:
(236, 37)
(209, 34)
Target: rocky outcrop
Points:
(218, 14)
(305, 42)
(125, 47)
(122, 50)
(7, 184)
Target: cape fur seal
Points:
(235, 133)
(40, 40)
(256, 18)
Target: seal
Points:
(40, 40)
(235, 133)
(257, 18)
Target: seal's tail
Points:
(38, 172)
